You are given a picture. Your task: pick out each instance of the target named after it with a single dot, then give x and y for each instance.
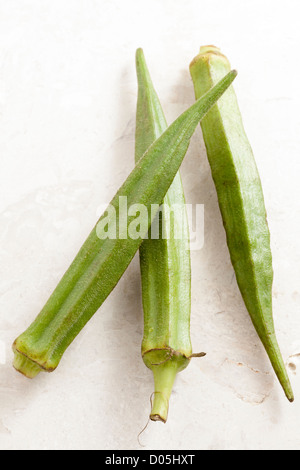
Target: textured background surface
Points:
(67, 118)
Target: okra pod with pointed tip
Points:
(241, 202)
(165, 263)
(102, 261)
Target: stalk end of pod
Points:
(25, 366)
(233, 73)
(209, 52)
(164, 377)
(286, 385)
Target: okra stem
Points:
(164, 377)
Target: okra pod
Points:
(165, 263)
(102, 260)
(241, 202)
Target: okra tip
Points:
(233, 73)
(291, 398)
(209, 48)
(139, 55)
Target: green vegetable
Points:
(101, 261)
(241, 202)
(165, 264)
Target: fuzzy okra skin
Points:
(102, 261)
(165, 263)
(241, 202)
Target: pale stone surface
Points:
(67, 118)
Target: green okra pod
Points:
(165, 263)
(102, 260)
(241, 202)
